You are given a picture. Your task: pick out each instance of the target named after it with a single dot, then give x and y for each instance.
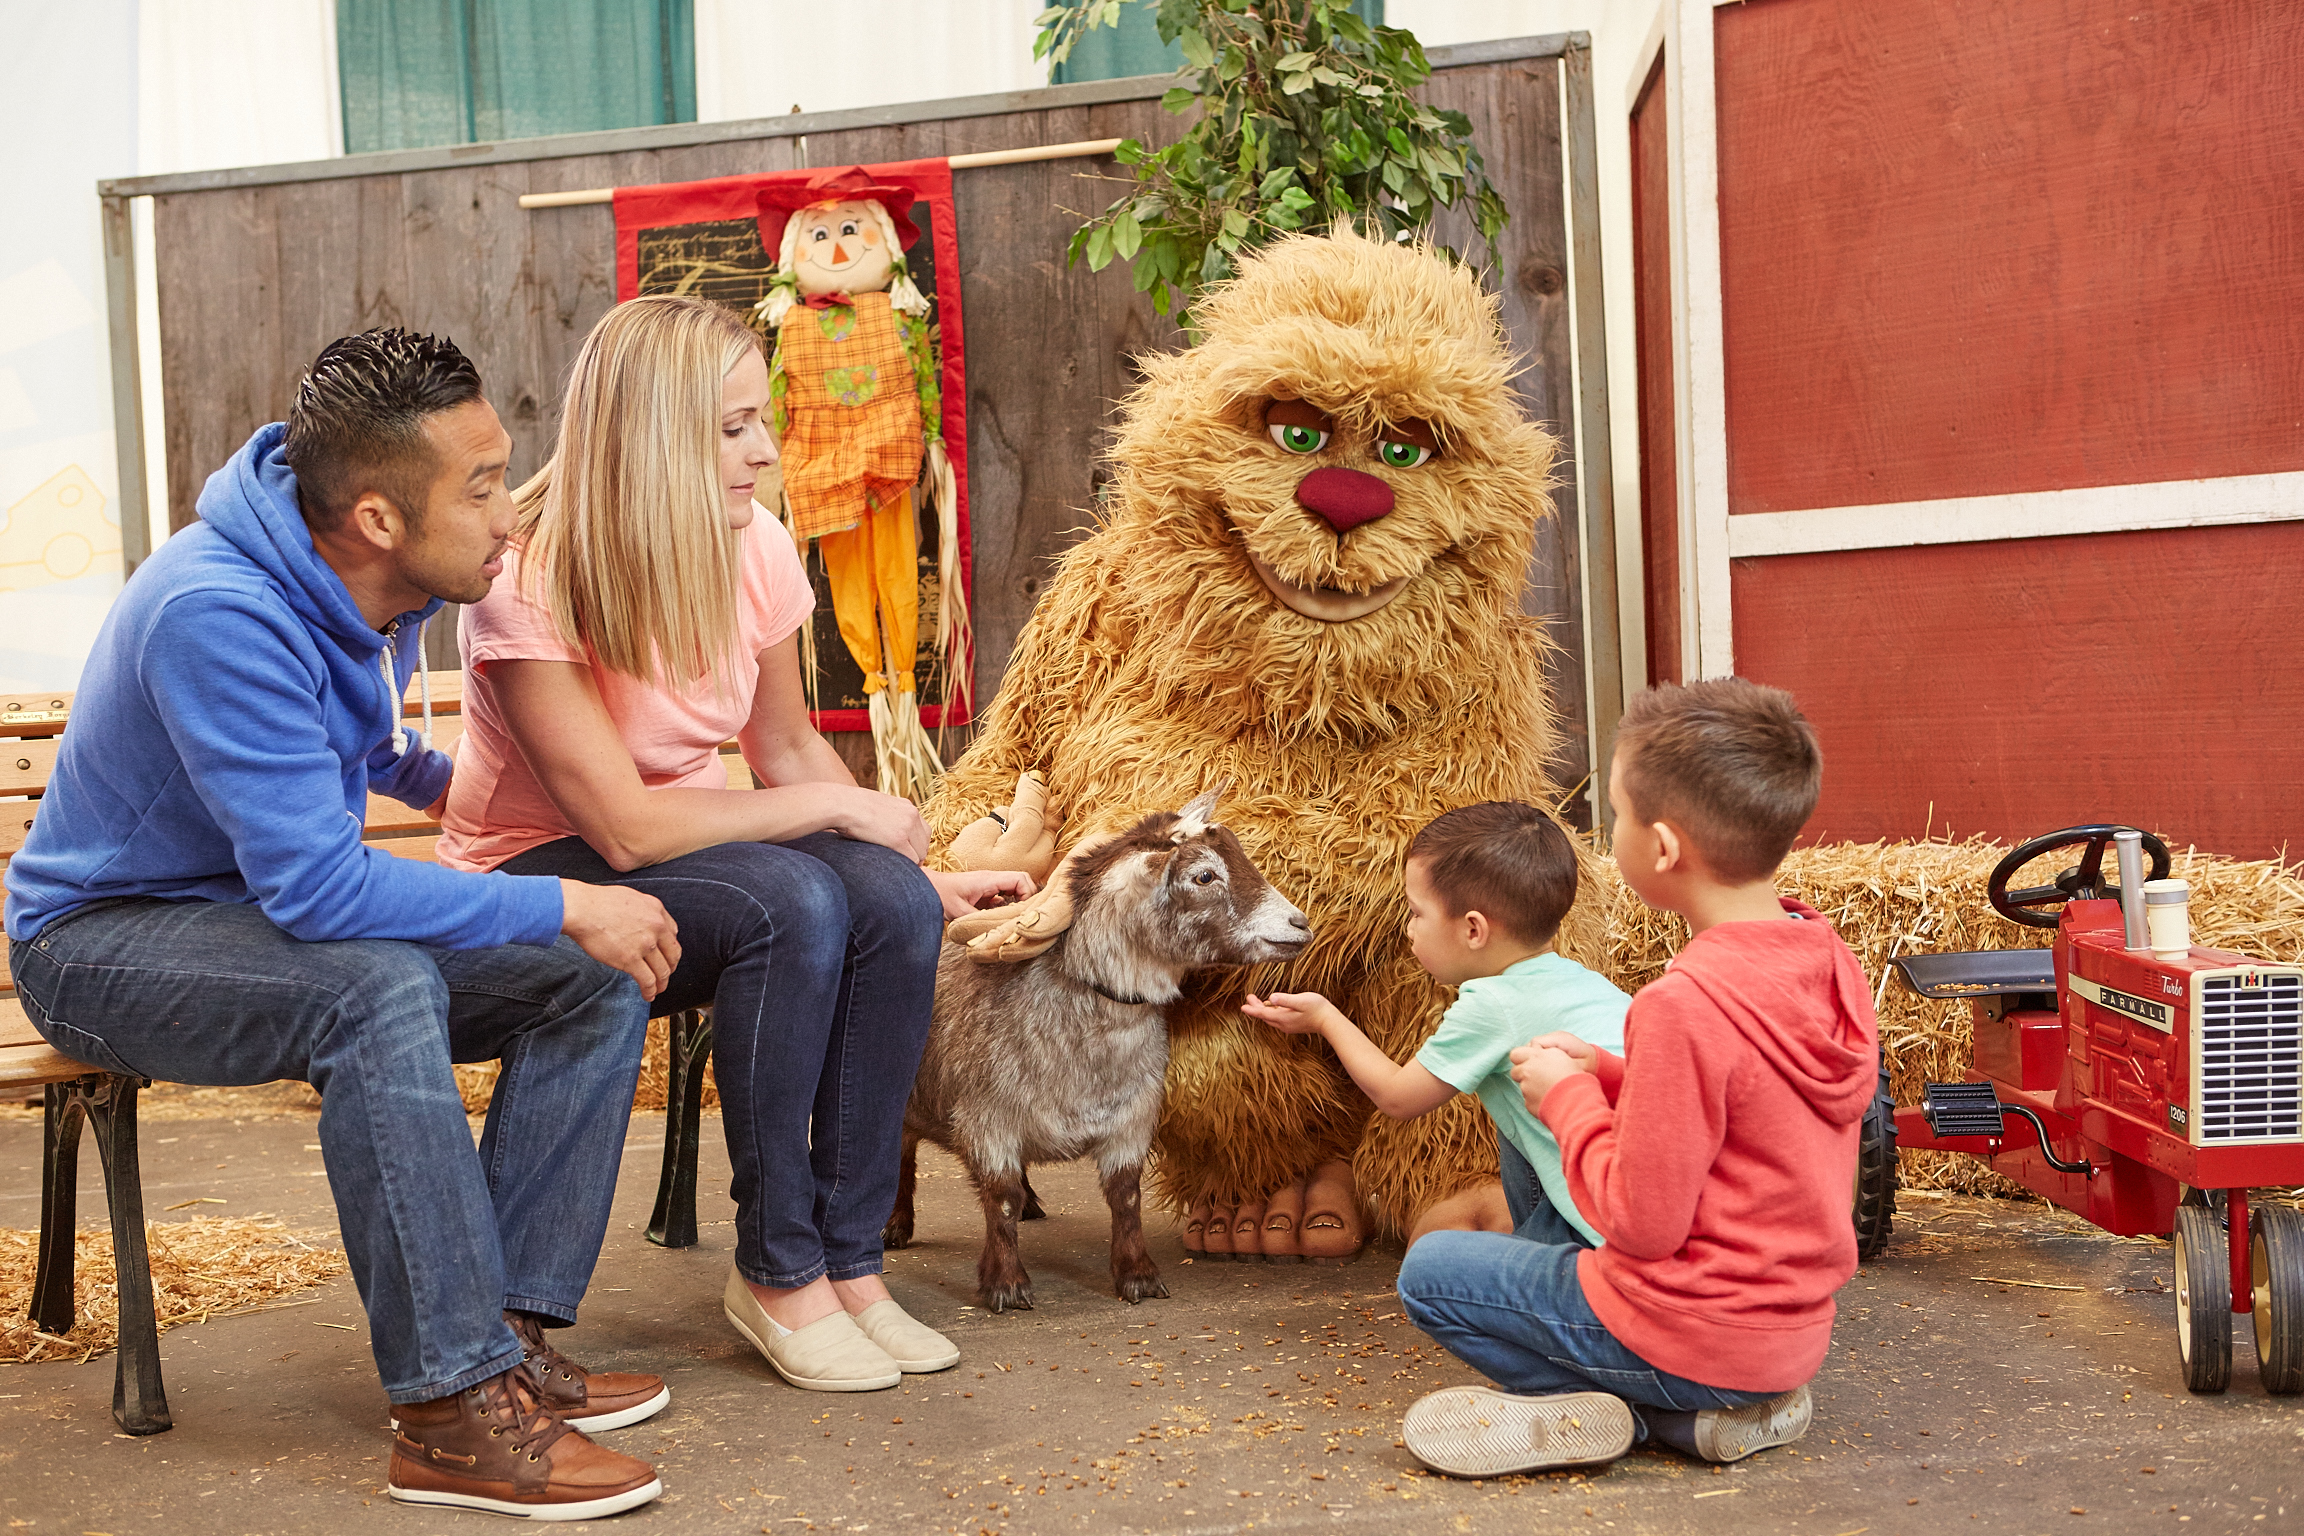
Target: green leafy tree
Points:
(1307, 116)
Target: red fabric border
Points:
(737, 197)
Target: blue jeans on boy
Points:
(818, 960)
(1534, 1216)
(442, 1242)
(1510, 1306)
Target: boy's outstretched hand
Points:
(1296, 1013)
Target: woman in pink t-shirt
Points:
(647, 614)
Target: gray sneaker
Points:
(1480, 1432)
(1731, 1434)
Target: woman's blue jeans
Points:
(818, 959)
(441, 1242)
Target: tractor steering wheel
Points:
(2035, 906)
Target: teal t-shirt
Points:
(1492, 1016)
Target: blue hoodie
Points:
(228, 727)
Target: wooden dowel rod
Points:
(567, 199)
(1041, 152)
(959, 163)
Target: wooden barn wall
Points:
(1978, 247)
(254, 281)
(2017, 687)
(1971, 247)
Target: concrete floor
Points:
(1255, 1395)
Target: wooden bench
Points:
(77, 1094)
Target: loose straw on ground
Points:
(213, 1266)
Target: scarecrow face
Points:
(841, 248)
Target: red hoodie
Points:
(1717, 1153)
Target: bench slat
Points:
(16, 1025)
(26, 764)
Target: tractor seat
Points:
(1978, 973)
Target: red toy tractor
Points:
(2148, 1094)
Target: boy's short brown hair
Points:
(1731, 763)
(1507, 861)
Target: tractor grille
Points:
(2251, 1050)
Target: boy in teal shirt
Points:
(1487, 887)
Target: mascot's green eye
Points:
(1298, 439)
(1399, 455)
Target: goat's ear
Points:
(1202, 809)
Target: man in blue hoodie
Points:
(194, 904)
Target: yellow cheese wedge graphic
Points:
(58, 532)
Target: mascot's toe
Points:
(1283, 1219)
(1196, 1228)
(1248, 1233)
(1333, 1227)
(1219, 1231)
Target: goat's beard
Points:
(1204, 637)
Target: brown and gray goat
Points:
(1063, 1055)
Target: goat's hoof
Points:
(897, 1234)
(1136, 1288)
(1009, 1298)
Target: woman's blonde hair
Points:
(624, 530)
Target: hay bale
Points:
(1889, 899)
(209, 1266)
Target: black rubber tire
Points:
(2277, 1258)
(2203, 1299)
(1873, 1202)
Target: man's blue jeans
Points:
(818, 960)
(1512, 1309)
(442, 1242)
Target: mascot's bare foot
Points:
(1333, 1229)
(1482, 1208)
(1283, 1225)
(1196, 1228)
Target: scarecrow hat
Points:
(779, 200)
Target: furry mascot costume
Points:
(1306, 583)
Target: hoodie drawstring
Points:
(384, 660)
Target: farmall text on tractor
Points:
(2137, 1080)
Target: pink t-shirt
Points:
(497, 809)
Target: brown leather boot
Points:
(500, 1447)
(589, 1400)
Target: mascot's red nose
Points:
(1345, 497)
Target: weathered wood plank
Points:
(1515, 111)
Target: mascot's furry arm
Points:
(1057, 663)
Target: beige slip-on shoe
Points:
(830, 1354)
(912, 1344)
(1480, 1432)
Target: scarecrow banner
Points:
(853, 276)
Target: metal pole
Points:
(127, 383)
(1604, 640)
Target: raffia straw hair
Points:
(624, 531)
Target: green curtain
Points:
(421, 73)
(1134, 47)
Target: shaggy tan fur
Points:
(1157, 662)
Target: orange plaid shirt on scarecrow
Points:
(852, 434)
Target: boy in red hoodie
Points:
(1715, 1156)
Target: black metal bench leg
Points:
(52, 1308)
(138, 1402)
(673, 1223)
